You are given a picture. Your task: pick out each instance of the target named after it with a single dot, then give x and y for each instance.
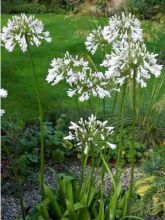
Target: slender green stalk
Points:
(120, 114)
(132, 152)
(101, 182)
(104, 107)
(121, 118)
(114, 104)
(82, 169)
(97, 107)
(90, 105)
(77, 106)
(108, 170)
(90, 184)
(121, 108)
(41, 179)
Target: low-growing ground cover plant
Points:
(126, 65)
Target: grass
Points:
(68, 33)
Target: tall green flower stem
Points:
(41, 179)
(104, 107)
(91, 182)
(84, 163)
(77, 106)
(121, 122)
(97, 107)
(120, 119)
(132, 150)
(114, 103)
(108, 170)
(90, 105)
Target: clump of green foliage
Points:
(20, 144)
(147, 9)
(151, 186)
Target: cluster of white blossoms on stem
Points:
(93, 84)
(3, 94)
(68, 68)
(91, 133)
(120, 28)
(128, 56)
(22, 28)
(128, 59)
(83, 82)
(94, 39)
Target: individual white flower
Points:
(91, 133)
(3, 94)
(21, 28)
(94, 39)
(128, 59)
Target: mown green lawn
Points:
(68, 33)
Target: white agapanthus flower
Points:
(93, 84)
(82, 81)
(131, 58)
(120, 28)
(68, 68)
(94, 39)
(3, 94)
(123, 28)
(91, 133)
(21, 28)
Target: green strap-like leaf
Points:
(52, 198)
(101, 210)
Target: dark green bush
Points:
(147, 9)
(33, 7)
(17, 7)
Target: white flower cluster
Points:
(19, 29)
(82, 81)
(120, 28)
(128, 55)
(3, 94)
(123, 28)
(91, 133)
(94, 40)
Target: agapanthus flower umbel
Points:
(94, 39)
(91, 133)
(3, 94)
(68, 68)
(129, 58)
(21, 28)
(93, 84)
(82, 81)
(120, 28)
(123, 27)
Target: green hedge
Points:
(147, 9)
(20, 6)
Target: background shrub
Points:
(147, 9)
(32, 7)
